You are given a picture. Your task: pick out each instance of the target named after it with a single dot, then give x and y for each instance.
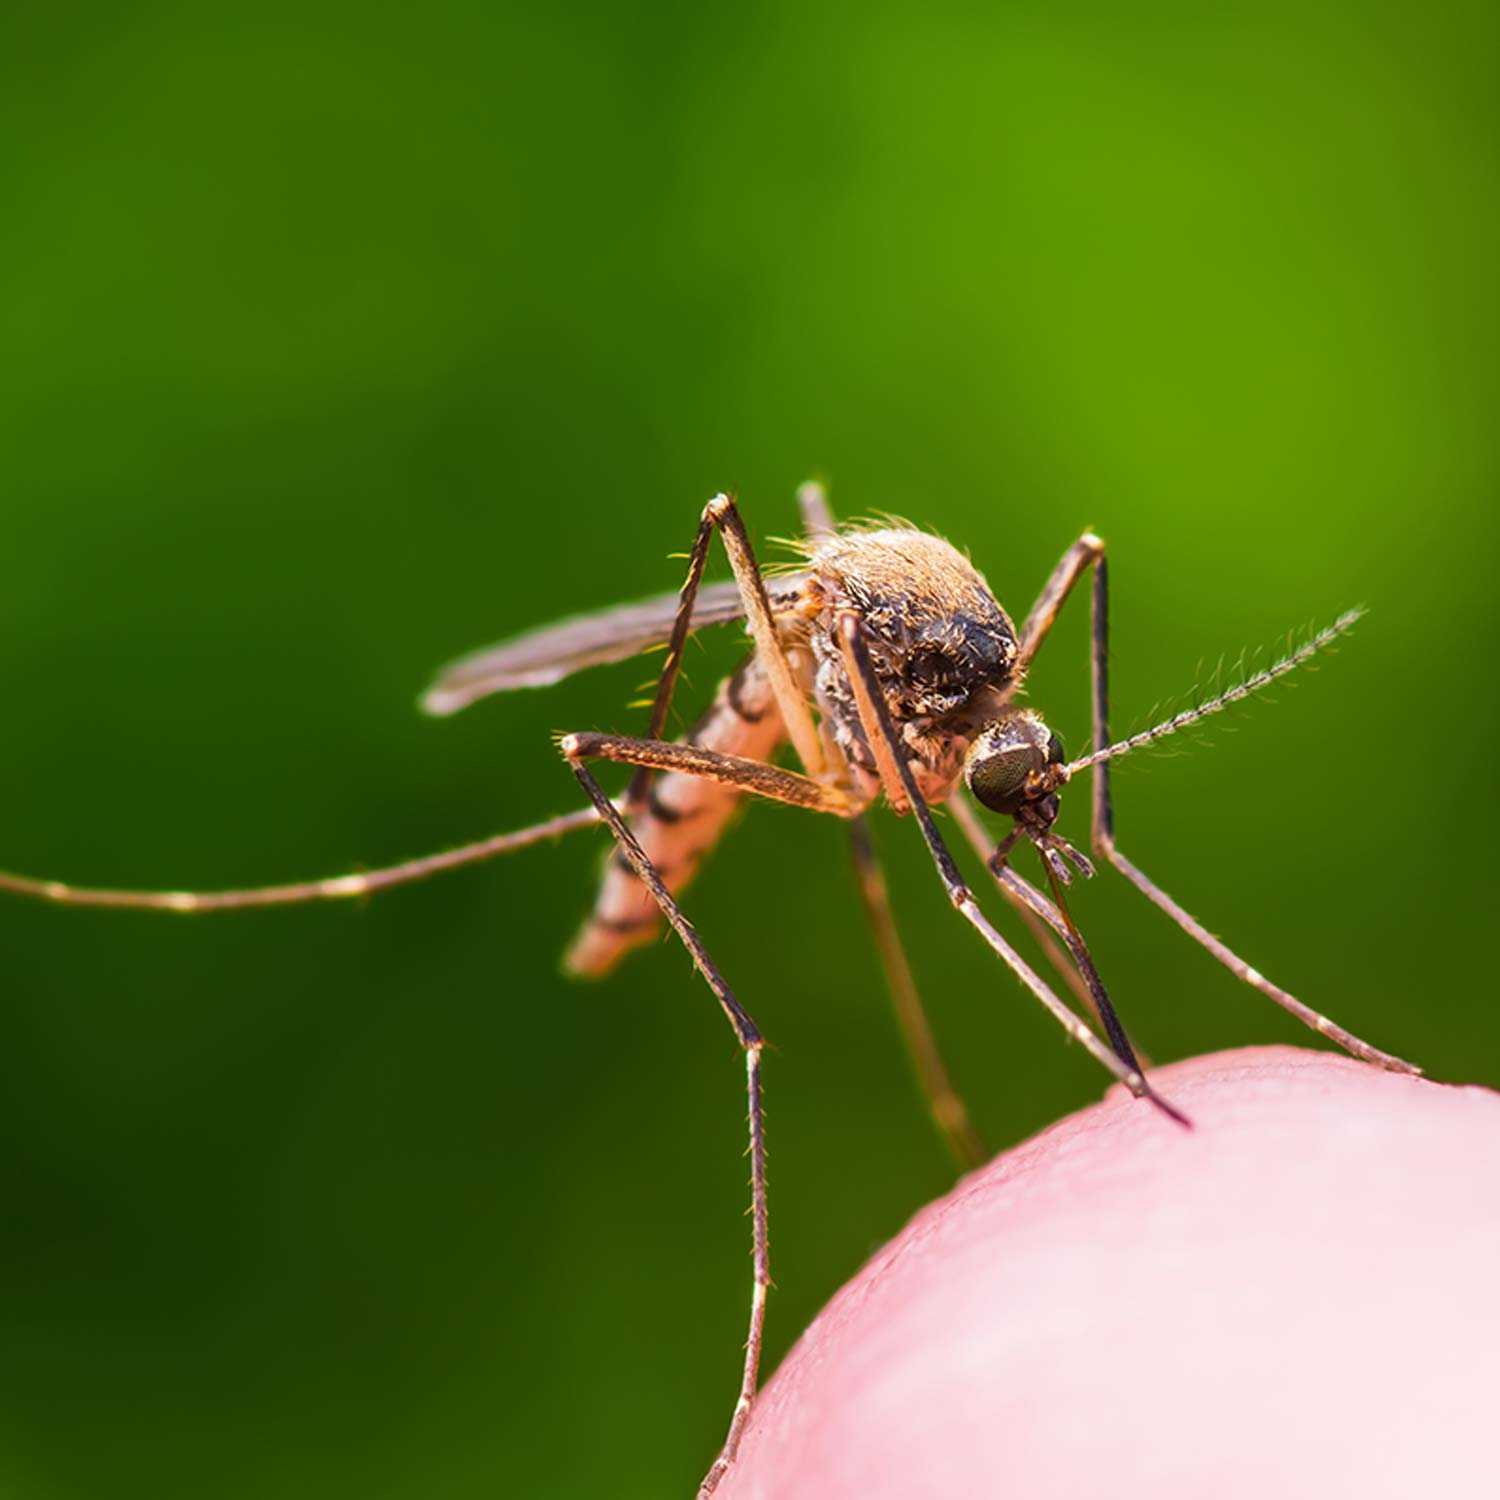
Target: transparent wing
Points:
(542, 657)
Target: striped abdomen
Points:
(680, 824)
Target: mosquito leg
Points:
(682, 626)
(1104, 847)
(871, 703)
(1056, 916)
(1088, 549)
(1039, 916)
(795, 714)
(943, 1101)
(751, 1043)
(721, 514)
(338, 888)
(980, 842)
(755, 776)
(1253, 977)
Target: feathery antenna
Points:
(1236, 694)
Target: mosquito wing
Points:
(542, 657)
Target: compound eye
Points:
(999, 780)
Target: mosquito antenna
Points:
(1251, 685)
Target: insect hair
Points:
(1247, 687)
(1224, 677)
(805, 546)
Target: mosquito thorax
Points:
(1014, 763)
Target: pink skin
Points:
(1300, 1297)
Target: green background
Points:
(337, 340)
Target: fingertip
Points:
(1115, 1305)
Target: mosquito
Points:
(888, 665)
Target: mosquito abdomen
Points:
(680, 824)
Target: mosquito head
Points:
(1015, 766)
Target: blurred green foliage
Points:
(339, 339)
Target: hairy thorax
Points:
(943, 649)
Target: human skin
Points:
(1298, 1297)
